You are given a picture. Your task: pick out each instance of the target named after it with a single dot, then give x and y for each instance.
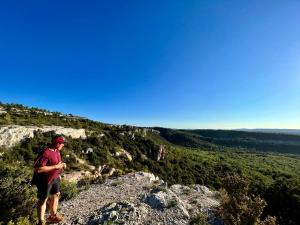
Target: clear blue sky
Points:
(183, 64)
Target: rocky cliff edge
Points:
(140, 198)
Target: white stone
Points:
(202, 189)
(14, 134)
(124, 153)
(2, 111)
(89, 150)
(111, 172)
(180, 189)
(142, 175)
(166, 199)
(76, 176)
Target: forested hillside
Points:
(242, 140)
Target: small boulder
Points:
(203, 189)
(164, 200)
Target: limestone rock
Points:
(166, 199)
(159, 152)
(124, 153)
(202, 189)
(2, 110)
(14, 134)
(75, 176)
(150, 177)
(138, 198)
(118, 213)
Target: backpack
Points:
(36, 176)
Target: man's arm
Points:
(45, 169)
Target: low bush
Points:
(68, 190)
(240, 208)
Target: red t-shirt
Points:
(49, 157)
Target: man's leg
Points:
(42, 195)
(41, 209)
(54, 203)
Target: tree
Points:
(237, 207)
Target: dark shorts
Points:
(44, 189)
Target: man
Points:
(48, 167)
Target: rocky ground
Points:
(139, 198)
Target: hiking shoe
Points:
(55, 218)
(43, 222)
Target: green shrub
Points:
(240, 208)
(20, 221)
(84, 183)
(199, 219)
(68, 190)
(17, 197)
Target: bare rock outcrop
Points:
(13, 134)
(105, 170)
(75, 176)
(165, 199)
(123, 153)
(2, 110)
(136, 199)
(159, 152)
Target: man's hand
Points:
(61, 166)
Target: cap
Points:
(59, 139)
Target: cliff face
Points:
(13, 134)
(139, 198)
